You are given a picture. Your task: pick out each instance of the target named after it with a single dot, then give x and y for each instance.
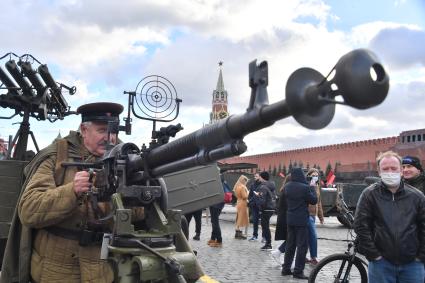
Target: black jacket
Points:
(298, 196)
(253, 199)
(281, 226)
(391, 226)
(267, 196)
(417, 182)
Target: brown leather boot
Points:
(216, 244)
(239, 235)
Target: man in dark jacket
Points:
(390, 225)
(254, 206)
(267, 194)
(298, 196)
(413, 173)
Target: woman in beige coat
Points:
(241, 193)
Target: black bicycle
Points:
(344, 267)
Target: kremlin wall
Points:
(345, 157)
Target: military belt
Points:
(84, 237)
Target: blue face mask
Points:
(315, 179)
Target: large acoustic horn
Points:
(358, 77)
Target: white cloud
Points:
(406, 46)
(105, 47)
(363, 34)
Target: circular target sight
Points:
(155, 99)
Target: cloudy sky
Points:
(107, 47)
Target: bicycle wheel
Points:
(336, 268)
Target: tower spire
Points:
(220, 83)
(219, 101)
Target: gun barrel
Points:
(47, 77)
(5, 79)
(13, 69)
(61, 103)
(205, 145)
(310, 99)
(33, 77)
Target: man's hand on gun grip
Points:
(81, 182)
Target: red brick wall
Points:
(347, 154)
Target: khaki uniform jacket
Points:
(43, 204)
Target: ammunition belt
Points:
(84, 237)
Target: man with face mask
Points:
(390, 225)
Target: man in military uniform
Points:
(55, 205)
(413, 172)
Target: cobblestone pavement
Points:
(242, 261)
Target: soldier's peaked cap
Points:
(100, 112)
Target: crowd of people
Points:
(389, 220)
(297, 204)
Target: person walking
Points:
(390, 225)
(216, 240)
(254, 206)
(267, 194)
(298, 196)
(281, 224)
(241, 193)
(314, 210)
(197, 215)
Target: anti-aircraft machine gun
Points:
(31, 94)
(156, 250)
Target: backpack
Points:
(228, 195)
